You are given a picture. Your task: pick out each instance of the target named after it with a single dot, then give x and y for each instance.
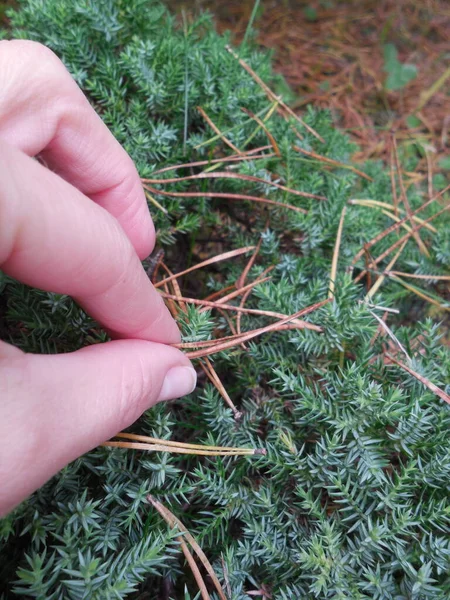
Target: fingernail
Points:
(178, 382)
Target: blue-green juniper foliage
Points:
(352, 499)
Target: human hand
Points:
(78, 229)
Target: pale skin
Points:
(77, 226)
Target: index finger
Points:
(43, 111)
(53, 237)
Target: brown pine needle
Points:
(180, 450)
(417, 276)
(155, 202)
(420, 293)
(429, 174)
(334, 262)
(213, 297)
(239, 315)
(217, 130)
(404, 197)
(247, 156)
(206, 343)
(236, 337)
(271, 95)
(229, 320)
(173, 308)
(241, 279)
(228, 175)
(368, 261)
(297, 133)
(330, 161)
(393, 182)
(410, 233)
(426, 382)
(393, 311)
(243, 289)
(144, 442)
(249, 335)
(389, 207)
(265, 129)
(380, 330)
(373, 290)
(273, 108)
(405, 226)
(398, 224)
(426, 95)
(184, 446)
(378, 238)
(291, 113)
(176, 287)
(228, 129)
(215, 380)
(249, 153)
(227, 196)
(205, 263)
(195, 570)
(202, 163)
(400, 241)
(173, 521)
(237, 292)
(154, 263)
(214, 138)
(247, 294)
(249, 311)
(390, 333)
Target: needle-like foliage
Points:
(351, 500)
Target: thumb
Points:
(56, 407)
